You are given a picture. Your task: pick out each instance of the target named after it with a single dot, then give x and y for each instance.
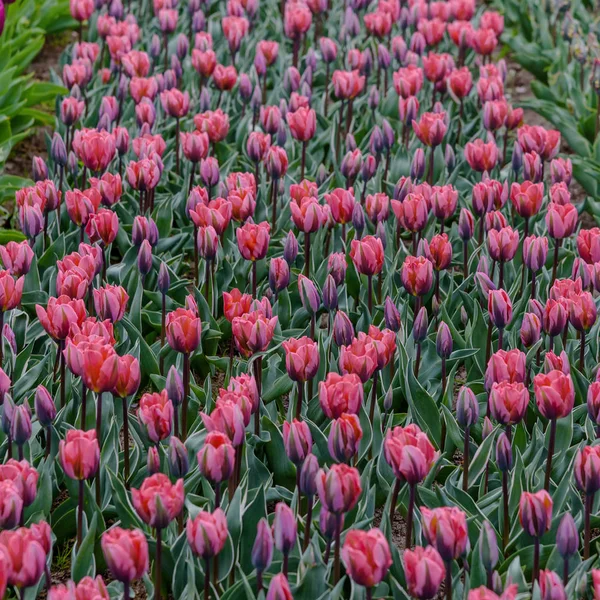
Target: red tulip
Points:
(527, 198)
(503, 244)
(235, 304)
(24, 476)
(445, 528)
(11, 504)
(11, 291)
(367, 255)
(301, 358)
(430, 128)
(214, 123)
(183, 329)
(227, 418)
(308, 215)
(207, 533)
(216, 458)
(409, 453)
(158, 501)
(100, 364)
(535, 512)
(367, 557)
(16, 258)
(416, 275)
(110, 302)
(155, 413)
(481, 156)
(59, 315)
(253, 332)
(126, 553)
(339, 488)
(24, 555)
(79, 454)
(360, 357)
(340, 394)
(302, 123)
(253, 240)
(554, 394)
(508, 402)
(506, 366)
(424, 570)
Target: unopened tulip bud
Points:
(466, 224)
(297, 441)
(179, 463)
(164, 280)
(343, 332)
(39, 169)
(204, 100)
(391, 315)
(344, 437)
(531, 328)
(417, 166)
(503, 453)
(21, 424)
(245, 87)
(174, 386)
(153, 461)
(279, 274)
(499, 308)
(467, 408)
(443, 342)
(567, 536)
(45, 408)
(381, 234)
(388, 400)
(350, 143)
(284, 528)
(421, 325)
(307, 484)
(145, 258)
(330, 295)
(8, 412)
(262, 550)
(464, 316)
(487, 428)
(376, 140)
(290, 249)
(358, 219)
(309, 296)
(58, 150)
(368, 168)
(517, 158)
(402, 188)
(322, 175)
(488, 547)
(373, 99)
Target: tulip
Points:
(499, 312)
(344, 437)
(411, 455)
(11, 504)
(368, 258)
(508, 402)
(488, 550)
(302, 363)
(366, 556)
(567, 542)
(16, 258)
(155, 413)
(424, 570)
(262, 550)
(126, 554)
(535, 515)
(253, 243)
(297, 441)
(279, 275)
(79, 455)
(339, 489)
(587, 478)
(417, 275)
(284, 532)
(279, 588)
(24, 557)
(555, 395)
(467, 414)
(507, 366)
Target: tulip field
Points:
(301, 303)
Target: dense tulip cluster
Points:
(277, 299)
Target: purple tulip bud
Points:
(435, 306)
(281, 135)
(198, 21)
(531, 329)
(204, 100)
(327, 523)
(418, 43)
(330, 295)
(443, 341)
(306, 83)
(376, 141)
(350, 143)
(290, 249)
(421, 325)
(464, 317)
(21, 428)
(182, 46)
(486, 285)
(179, 462)
(307, 484)
(145, 258)
(368, 168)
(343, 332)
(262, 550)
(322, 175)
(153, 461)
(417, 166)
(344, 438)
(309, 296)
(39, 169)
(488, 547)
(449, 158)
(517, 158)
(373, 99)
(402, 188)
(164, 279)
(388, 134)
(45, 409)
(388, 400)
(104, 123)
(174, 386)
(245, 87)
(383, 57)
(291, 79)
(567, 536)
(487, 428)
(391, 315)
(7, 413)
(284, 528)
(193, 6)
(76, 92)
(358, 219)
(73, 164)
(209, 171)
(58, 150)
(116, 10)
(467, 408)
(503, 453)
(466, 224)
(310, 59)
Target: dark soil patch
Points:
(398, 527)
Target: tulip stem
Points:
(565, 571)
(274, 187)
(373, 395)
(48, 440)
(308, 522)
(533, 285)
(163, 320)
(505, 521)
(259, 582)
(192, 173)
(217, 495)
(550, 454)
(307, 254)
(394, 500)
(465, 258)
(254, 279)
(303, 163)
(299, 400)
(370, 293)
(418, 360)
(258, 377)
(177, 145)
(488, 343)
(126, 441)
(336, 556)
(466, 460)
(186, 393)
(555, 265)
(500, 338)
(195, 255)
(409, 516)
(80, 514)
(62, 373)
(582, 351)
(448, 584)
(536, 560)
(430, 172)
(157, 564)
(369, 593)
(589, 501)
(126, 590)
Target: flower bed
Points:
(303, 310)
